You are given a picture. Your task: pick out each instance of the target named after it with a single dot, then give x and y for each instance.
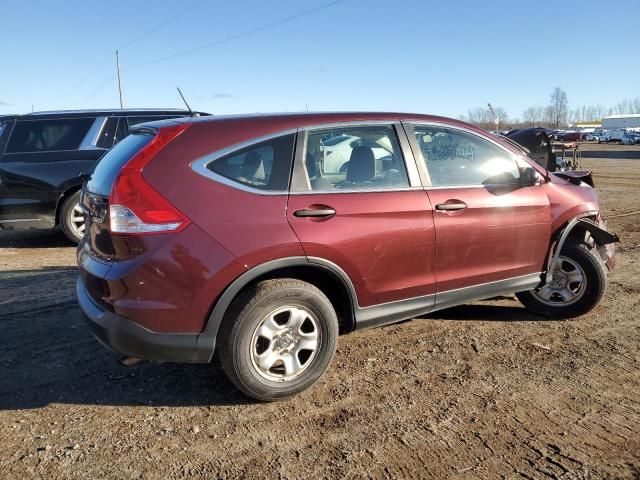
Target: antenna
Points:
(119, 82)
(185, 102)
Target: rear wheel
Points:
(578, 284)
(278, 338)
(72, 218)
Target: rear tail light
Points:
(134, 206)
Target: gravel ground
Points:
(481, 391)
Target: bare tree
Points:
(482, 117)
(533, 116)
(559, 105)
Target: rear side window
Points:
(265, 165)
(48, 135)
(109, 166)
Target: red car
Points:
(226, 234)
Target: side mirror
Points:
(529, 177)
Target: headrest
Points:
(362, 165)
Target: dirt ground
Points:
(481, 391)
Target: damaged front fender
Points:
(604, 243)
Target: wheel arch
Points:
(323, 274)
(63, 198)
(576, 228)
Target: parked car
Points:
(222, 235)
(592, 136)
(630, 138)
(42, 155)
(536, 144)
(569, 136)
(614, 135)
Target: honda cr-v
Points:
(231, 235)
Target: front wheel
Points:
(577, 285)
(278, 338)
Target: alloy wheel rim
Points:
(285, 343)
(567, 285)
(77, 220)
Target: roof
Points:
(310, 118)
(107, 112)
(628, 115)
(240, 127)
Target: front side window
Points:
(265, 165)
(355, 158)
(48, 135)
(456, 158)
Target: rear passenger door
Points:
(488, 226)
(357, 203)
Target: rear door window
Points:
(355, 158)
(31, 136)
(108, 133)
(109, 166)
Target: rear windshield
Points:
(109, 166)
(48, 135)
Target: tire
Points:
(70, 216)
(576, 259)
(265, 326)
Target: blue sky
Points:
(419, 56)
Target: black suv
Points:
(42, 157)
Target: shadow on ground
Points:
(22, 291)
(33, 239)
(48, 355)
(492, 313)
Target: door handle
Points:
(451, 207)
(319, 212)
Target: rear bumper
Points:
(129, 338)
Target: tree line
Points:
(555, 114)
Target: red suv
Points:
(261, 237)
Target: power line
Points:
(237, 36)
(127, 44)
(109, 81)
(85, 78)
(160, 25)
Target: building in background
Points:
(621, 121)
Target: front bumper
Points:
(130, 338)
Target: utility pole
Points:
(119, 81)
(495, 117)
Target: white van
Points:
(614, 135)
